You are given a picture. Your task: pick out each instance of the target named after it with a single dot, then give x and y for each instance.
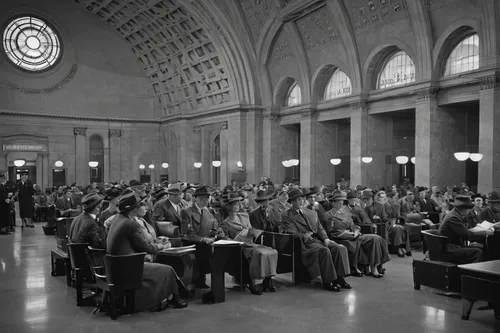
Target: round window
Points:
(31, 43)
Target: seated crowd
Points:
(342, 232)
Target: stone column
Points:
(438, 134)
(359, 121)
(271, 147)
(39, 170)
(254, 145)
(326, 149)
(184, 152)
(81, 156)
(225, 167)
(489, 134)
(206, 156)
(308, 133)
(115, 154)
(46, 170)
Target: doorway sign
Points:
(25, 147)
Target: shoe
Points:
(378, 276)
(32, 226)
(400, 253)
(381, 270)
(357, 274)
(343, 284)
(408, 254)
(254, 290)
(268, 285)
(177, 302)
(332, 287)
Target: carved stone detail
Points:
(427, 94)
(317, 28)
(358, 105)
(80, 131)
(308, 113)
(196, 129)
(489, 82)
(115, 133)
(223, 125)
(367, 15)
(282, 50)
(257, 12)
(43, 91)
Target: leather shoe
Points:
(268, 285)
(343, 284)
(332, 287)
(381, 270)
(254, 290)
(357, 274)
(177, 303)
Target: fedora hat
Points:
(311, 191)
(233, 197)
(367, 193)
(130, 201)
(91, 200)
(111, 193)
(421, 189)
(264, 195)
(202, 191)
(295, 193)
(352, 195)
(463, 201)
(339, 195)
(159, 193)
(174, 189)
(493, 197)
(135, 183)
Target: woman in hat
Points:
(125, 237)
(111, 196)
(148, 230)
(262, 260)
(85, 228)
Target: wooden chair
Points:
(123, 276)
(435, 244)
(80, 267)
(96, 263)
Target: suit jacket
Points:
(260, 221)
(63, 203)
(407, 207)
(488, 215)
(126, 237)
(297, 226)
(164, 211)
(474, 218)
(454, 227)
(5, 207)
(195, 225)
(279, 206)
(358, 215)
(338, 222)
(377, 209)
(85, 229)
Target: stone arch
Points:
(377, 59)
(449, 39)
(322, 76)
(282, 89)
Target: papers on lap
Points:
(180, 249)
(485, 226)
(223, 242)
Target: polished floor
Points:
(34, 301)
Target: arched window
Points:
(465, 56)
(96, 155)
(398, 70)
(294, 96)
(338, 86)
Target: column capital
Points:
(115, 133)
(358, 105)
(489, 82)
(224, 125)
(427, 94)
(308, 113)
(196, 129)
(80, 131)
(272, 116)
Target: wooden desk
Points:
(480, 282)
(221, 256)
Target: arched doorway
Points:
(96, 155)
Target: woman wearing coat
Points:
(262, 260)
(125, 237)
(25, 191)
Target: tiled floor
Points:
(33, 301)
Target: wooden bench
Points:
(58, 259)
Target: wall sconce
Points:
(402, 159)
(142, 166)
(164, 165)
(412, 160)
(19, 163)
(216, 163)
(151, 166)
(367, 159)
(58, 164)
(462, 156)
(197, 165)
(476, 157)
(93, 164)
(294, 162)
(239, 164)
(335, 161)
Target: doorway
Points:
(29, 168)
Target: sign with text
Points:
(25, 147)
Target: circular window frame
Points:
(55, 66)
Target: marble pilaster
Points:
(253, 145)
(224, 168)
(46, 171)
(359, 125)
(115, 154)
(81, 156)
(272, 144)
(308, 134)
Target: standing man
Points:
(5, 200)
(25, 191)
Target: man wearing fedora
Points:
(85, 227)
(321, 256)
(281, 202)
(454, 227)
(126, 237)
(201, 228)
(264, 217)
(492, 212)
(169, 209)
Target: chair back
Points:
(96, 260)
(283, 243)
(125, 271)
(78, 255)
(62, 230)
(435, 244)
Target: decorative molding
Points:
(68, 117)
(196, 129)
(43, 91)
(358, 105)
(317, 28)
(115, 132)
(308, 113)
(272, 116)
(223, 125)
(80, 131)
(427, 94)
(489, 82)
(367, 15)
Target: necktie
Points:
(302, 214)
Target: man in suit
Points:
(428, 207)
(264, 217)
(474, 217)
(492, 212)
(454, 227)
(320, 255)
(85, 228)
(5, 200)
(169, 209)
(65, 204)
(200, 227)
